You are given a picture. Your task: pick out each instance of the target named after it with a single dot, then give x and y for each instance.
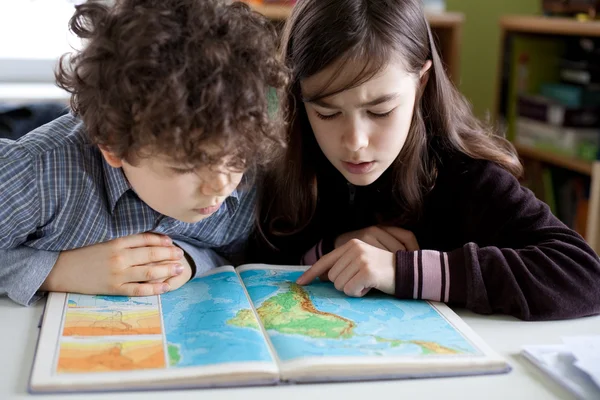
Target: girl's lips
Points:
(208, 210)
(358, 168)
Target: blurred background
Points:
(532, 67)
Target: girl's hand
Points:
(136, 265)
(355, 268)
(388, 238)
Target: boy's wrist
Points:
(190, 262)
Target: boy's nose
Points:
(218, 184)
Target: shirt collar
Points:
(233, 202)
(115, 182)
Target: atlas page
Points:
(190, 337)
(320, 334)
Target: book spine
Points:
(557, 114)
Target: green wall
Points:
(481, 45)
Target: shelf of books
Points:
(548, 98)
(447, 27)
(553, 158)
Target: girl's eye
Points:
(326, 117)
(383, 115)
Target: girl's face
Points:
(362, 130)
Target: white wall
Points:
(33, 35)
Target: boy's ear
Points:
(424, 73)
(110, 158)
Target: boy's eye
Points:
(326, 117)
(183, 171)
(380, 115)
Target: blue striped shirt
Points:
(58, 193)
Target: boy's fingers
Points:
(143, 289)
(154, 254)
(147, 273)
(176, 282)
(146, 239)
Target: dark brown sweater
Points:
(487, 243)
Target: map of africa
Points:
(317, 320)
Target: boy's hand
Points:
(388, 238)
(355, 268)
(178, 281)
(136, 265)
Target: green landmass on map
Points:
(174, 354)
(293, 312)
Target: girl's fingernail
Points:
(178, 269)
(301, 280)
(165, 288)
(167, 241)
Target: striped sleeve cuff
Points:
(325, 245)
(431, 275)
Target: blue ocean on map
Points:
(196, 323)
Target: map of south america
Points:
(292, 312)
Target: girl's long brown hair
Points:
(320, 33)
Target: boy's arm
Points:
(19, 198)
(22, 272)
(204, 259)
(22, 269)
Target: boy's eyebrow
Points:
(378, 100)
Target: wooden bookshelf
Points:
(447, 27)
(565, 27)
(542, 25)
(558, 160)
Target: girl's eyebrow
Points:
(381, 99)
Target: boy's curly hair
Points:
(171, 75)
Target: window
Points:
(34, 34)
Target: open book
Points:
(248, 326)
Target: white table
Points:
(19, 331)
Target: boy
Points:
(136, 191)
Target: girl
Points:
(389, 182)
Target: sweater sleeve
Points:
(521, 260)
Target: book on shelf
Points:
(550, 111)
(578, 143)
(249, 326)
(566, 193)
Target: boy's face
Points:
(174, 190)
